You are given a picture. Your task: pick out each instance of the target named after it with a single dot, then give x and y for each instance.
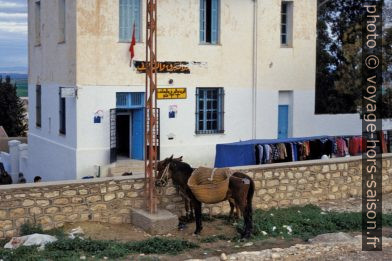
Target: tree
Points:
(339, 57)
(12, 111)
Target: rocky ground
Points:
(333, 246)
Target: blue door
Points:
(138, 134)
(283, 121)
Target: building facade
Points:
(242, 70)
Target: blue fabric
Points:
(242, 153)
(295, 156)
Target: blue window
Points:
(209, 110)
(130, 100)
(209, 21)
(130, 13)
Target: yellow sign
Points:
(171, 93)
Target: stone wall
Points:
(110, 200)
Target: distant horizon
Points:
(13, 70)
(13, 36)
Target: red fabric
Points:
(355, 146)
(383, 142)
(133, 42)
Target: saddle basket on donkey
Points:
(208, 185)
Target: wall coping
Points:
(129, 178)
(306, 163)
(66, 183)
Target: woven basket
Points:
(209, 185)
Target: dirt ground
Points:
(217, 227)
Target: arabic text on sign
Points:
(171, 93)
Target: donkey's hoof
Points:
(245, 235)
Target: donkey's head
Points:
(164, 172)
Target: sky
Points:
(13, 36)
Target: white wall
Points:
(93, 60)
(51, 154)
(198, 149)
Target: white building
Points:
(252, 75)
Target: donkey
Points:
(5, 178)
(240, 193)
(189, 210)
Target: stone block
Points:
(109, 197)
(69, 193)
(60, 201)
(156, 224)
(51, 194)
(93, 198)
(138, 185)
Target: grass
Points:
(214, 238)
(32, 228)
(305, 222)
(72, 249)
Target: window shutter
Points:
(214, 21)
(197, 111)
(221, 112)
(202, 21)
(129, 19)
(122, 20)
(136, 19)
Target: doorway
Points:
(285, 114)
(123, 127)
(283, 121)
(130, 134)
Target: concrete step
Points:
(126, 166)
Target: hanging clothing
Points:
(267, 153)
(383, 142)
(275, 152)
(282, 151)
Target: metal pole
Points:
(151, 119)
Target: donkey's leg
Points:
(237, 212)
(247, 214)
(186, 204)
(248, 221)
(231, 215)
(192, 208)
(197, 206)
(240, 203)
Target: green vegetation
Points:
(12, 111)
(339, 59)
(214, 238)
(305, 222)
(29, 228)
(73, 249)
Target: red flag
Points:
(133, 42)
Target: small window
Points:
(62, 114)
(61, 21)
(209, 110)
(37, 23)
(38, 106)
(209, 21)
(286, 35)
(130, 14)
